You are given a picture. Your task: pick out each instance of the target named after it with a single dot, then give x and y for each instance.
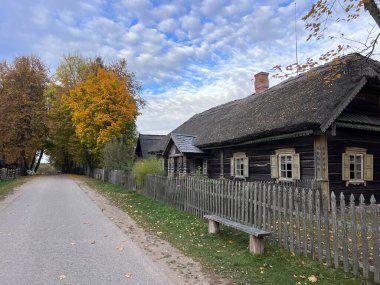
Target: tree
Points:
(22, 110)
(102, 109)
(317, 22)
(119, 153)
(92, 112)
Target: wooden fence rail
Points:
(8, 173)
(118, 177)
(301, 220)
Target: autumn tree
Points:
(23, 111)
(65, 149)
(318, 22)
(92, 113)
(102, 109)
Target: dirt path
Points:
(171, 260)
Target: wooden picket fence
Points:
(339, 233)
(118, 177)
(8, 173)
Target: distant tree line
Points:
(83, 115)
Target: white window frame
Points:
(280, 156)
(366, 167)
(361, 178)
(275, 162)
(240, 159)
(239, 167)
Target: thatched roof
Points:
(145, 142)
(310, 101)
(307, 101)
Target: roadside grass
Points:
(225, 253)
(7, 186)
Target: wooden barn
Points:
(323, 125)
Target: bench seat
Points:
(256, 236)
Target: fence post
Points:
(344, 231)
(375, 239)
(364, 235)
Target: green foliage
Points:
(118, 154)
(146, 166)
(47, 168)
(225, 253)
(92, 106)
(7, 186)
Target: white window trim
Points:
(236, 157)
(285, 152)
(356, 151)
(361, 180)
(236, 167)
(280, 178)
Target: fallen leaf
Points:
(128, 274)
(61, 277)
(93, 242)
(312, 279)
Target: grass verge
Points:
(7, 186)
(225, 253)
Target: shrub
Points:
(146, 166)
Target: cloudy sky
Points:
(188, 55)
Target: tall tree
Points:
(22, 109)
(102, 109)
(91, 105)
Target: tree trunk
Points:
(39, 160)
(33, 161)
(373, 10)
(25, 162)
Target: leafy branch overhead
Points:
(320, 23)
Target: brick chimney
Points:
(261, 82)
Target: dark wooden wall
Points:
(259, 158)
(353, 138)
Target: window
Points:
(357, 166)
(204, 166)
(285, 164)
(239, 165)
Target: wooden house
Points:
(144, 143)
(323, 125)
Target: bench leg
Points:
(213, 227)
(256, 245)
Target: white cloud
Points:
(189, 55)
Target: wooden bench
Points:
(256, 236)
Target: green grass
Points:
(7, 186)
(225, 253)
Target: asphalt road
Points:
(52, 233)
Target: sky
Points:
(188, 55)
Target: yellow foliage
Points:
(102, 108)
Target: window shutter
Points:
(232, 166)
(345, 167)
(296, 166)
(368, 170)
(246, 167)
(274, 166)
(204, 169)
